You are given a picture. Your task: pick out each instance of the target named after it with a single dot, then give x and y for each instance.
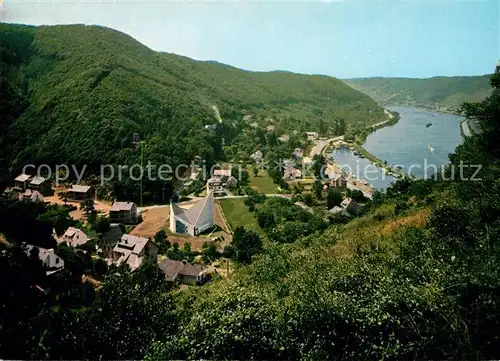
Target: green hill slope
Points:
(444, 93)
(77, 94)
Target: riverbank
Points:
(396, 172)
(393, 118)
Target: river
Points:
(406, 144)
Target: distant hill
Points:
(442, 93)
(76, 94)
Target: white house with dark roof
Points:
(132, 250)
(123, 212)
(50, 260)
(74, 237)
(194, 220)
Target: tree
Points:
(63, 196)
(101, 225)
(161, 240)
(334, 198)
(308, 199)
(187, 248)
(209, 252)
(255, 171)
(318, 189)
(357, 195)
(246, 244)
(87, 206)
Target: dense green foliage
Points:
(362, 290)
(77, 94)
(442, 93)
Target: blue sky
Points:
(342, 39)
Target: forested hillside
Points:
(77, 94)
(417, 277)
(441, 93)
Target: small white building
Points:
(257, 156)
(193, 220)
(284, 138)
(298, 153)
(312, 135)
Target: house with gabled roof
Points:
(132, 250)
(194, 220)
(40, 184)
(74, 237)
(50, 260)
(338, 181)
(183, 272)
(79, 193)
(350, 205)
(123, 212)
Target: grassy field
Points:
(263, 183)
(237, 214)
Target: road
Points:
(321, 144)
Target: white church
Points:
(195, 219)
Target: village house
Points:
(257, 156)
(247, 118)
(350, 205)
(221, 181)
(270, 128)
(11, 193)
(284, 138)
(254, 125)
(123, 212)
(193, 220)
(31, 196)
(338, 210)
(132, 250)
(40, 184)
(50, 260)
(79, 193)
(298, 153)
(22, 181)
(312, 135)
(291, 173)
(183, 272)
(338, 181)
(74, 237)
